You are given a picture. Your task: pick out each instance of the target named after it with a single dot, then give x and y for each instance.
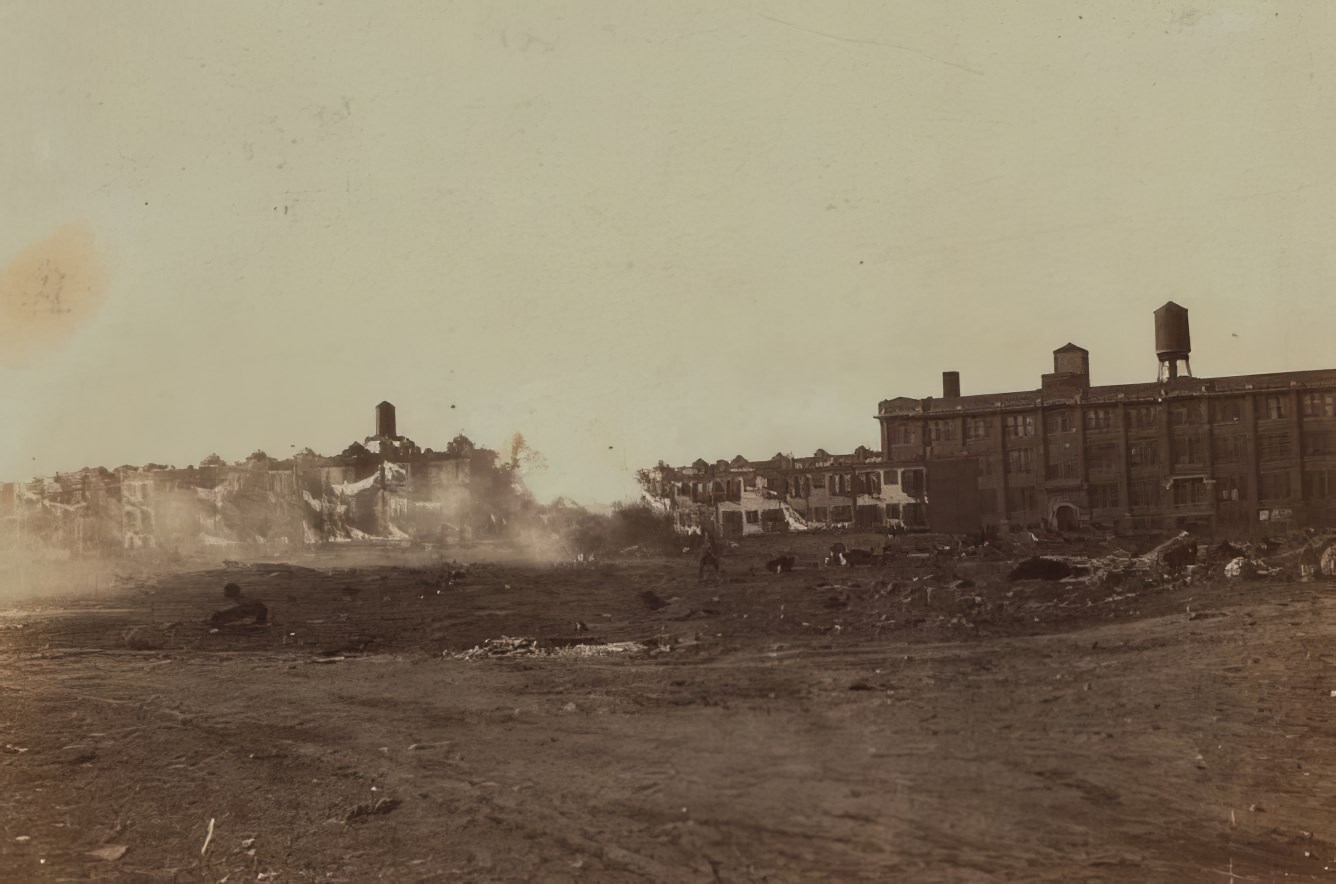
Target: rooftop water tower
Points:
(950, 385)
(1172, 341)
(385, 421)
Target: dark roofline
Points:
(1150, 391)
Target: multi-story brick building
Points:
(1240, 456)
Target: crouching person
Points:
(242, 609)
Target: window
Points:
(753, 517)
(1143, 454)
(911, 482)
(1184, 414)
(1320, 443)
(1063, 469)
(819, 513)
(891, 477)
(1230, 488)
(869, 483)
(1020, 500)
(1142, 416)
(1103, 497)
(915, 514)
(1018, 425)
(892, 510)
(1062, 462)
(1226, 411)
(1099, 419)
(1187, 451)
(841, 514)
(985, 466)
(942, 431)
(1273, 407)
(1143, 494)
(1190, 493)
(1319, 404)
(1020, 460)
(1320, 484)
(1274, 446)
(1059, 422)
(1227, 449)
(978, 428)
(907, 434)
(1103, 456)
(1273, 486)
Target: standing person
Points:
(709, 557)
(1309, 562)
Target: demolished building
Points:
(785, 493)
(384, 488)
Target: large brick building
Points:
(1246, 455)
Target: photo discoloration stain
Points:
(47, 291)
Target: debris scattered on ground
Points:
(381, 807)
(510, 646)
(651, 600)
(599, 650)
(505, 646)
(1040, 568)
(79, 753)
(207, 838)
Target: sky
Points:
(634, 232)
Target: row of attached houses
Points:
(385, 488)
(738, 497)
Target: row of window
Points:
(910, 513)
(1186, 413)
(870, 482)
(1317, 485)
(1185, 451)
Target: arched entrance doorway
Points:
(1065, 518)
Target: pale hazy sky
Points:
(635, 231)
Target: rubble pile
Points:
(1030, 580)
(513, 646)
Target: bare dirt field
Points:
(904, 722)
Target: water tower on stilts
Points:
(1172, 341)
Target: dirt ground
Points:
(905, 722)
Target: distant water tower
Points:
(385, 421)
(1172, 341)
